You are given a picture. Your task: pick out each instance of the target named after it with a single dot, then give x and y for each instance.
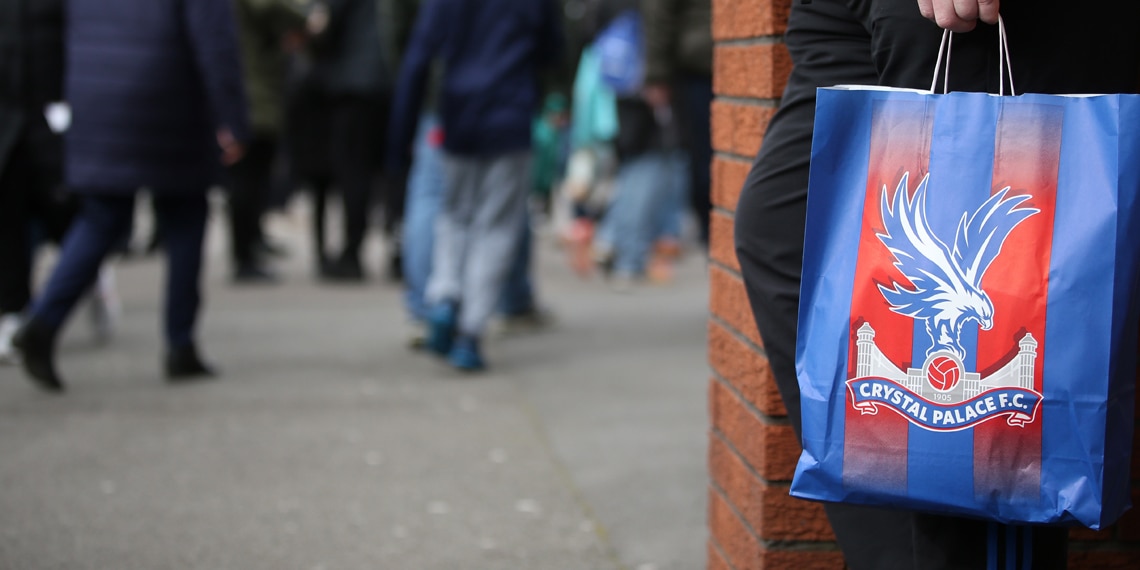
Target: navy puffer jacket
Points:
(150, 82)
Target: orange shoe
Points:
(579, 239)
(662, 261)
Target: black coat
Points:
(31, 76)
(150, 82)
(349, 56)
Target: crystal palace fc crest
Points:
(945, 293)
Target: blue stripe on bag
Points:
(1084, 237)
(961, 173)
(854, 116)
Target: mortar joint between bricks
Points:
(764, 418)
(749, 101)
(744, 42)
(800, 545)
(771, 483)
(728, 326)
(732, 156)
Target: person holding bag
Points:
(890, 43)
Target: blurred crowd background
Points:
(453, 128)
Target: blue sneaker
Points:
(465, 355)
(442, 323)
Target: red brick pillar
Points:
(753, 522)
(752, 451)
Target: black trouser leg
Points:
(352, 143)
(30, 194)
(320, 188)
(183, 217)
(694, 97)
(16, 184)
(250, 181)
(392, 190)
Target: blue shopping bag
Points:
(968, 323)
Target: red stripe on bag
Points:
(1027, 154)
(875, 446)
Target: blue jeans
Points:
(518, 291)
(425, 194)
(424, 200)
(648, 204)
(478, 234)
(102, 222)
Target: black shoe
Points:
(36, 343)
(183, 364)
(250, 274)
(396, 267)
(345, 269)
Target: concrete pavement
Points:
(328, 445)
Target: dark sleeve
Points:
(402, 14)
(212, 33)
(427, 35)
(551, 40)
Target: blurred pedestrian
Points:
(426, 187)
(352, 73)
(646, 208)
(306, 142)
(678, 74)
(31, 150)
(155, 88)
(35, 206)
(268, 28)
(551, 145)
(492, 52)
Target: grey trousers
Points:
(477, 233)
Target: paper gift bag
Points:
(968, 321)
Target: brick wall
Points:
(754, 524)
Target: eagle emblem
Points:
(945, 278)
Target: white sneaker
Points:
(9, 324)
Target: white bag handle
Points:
(1004, 65)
